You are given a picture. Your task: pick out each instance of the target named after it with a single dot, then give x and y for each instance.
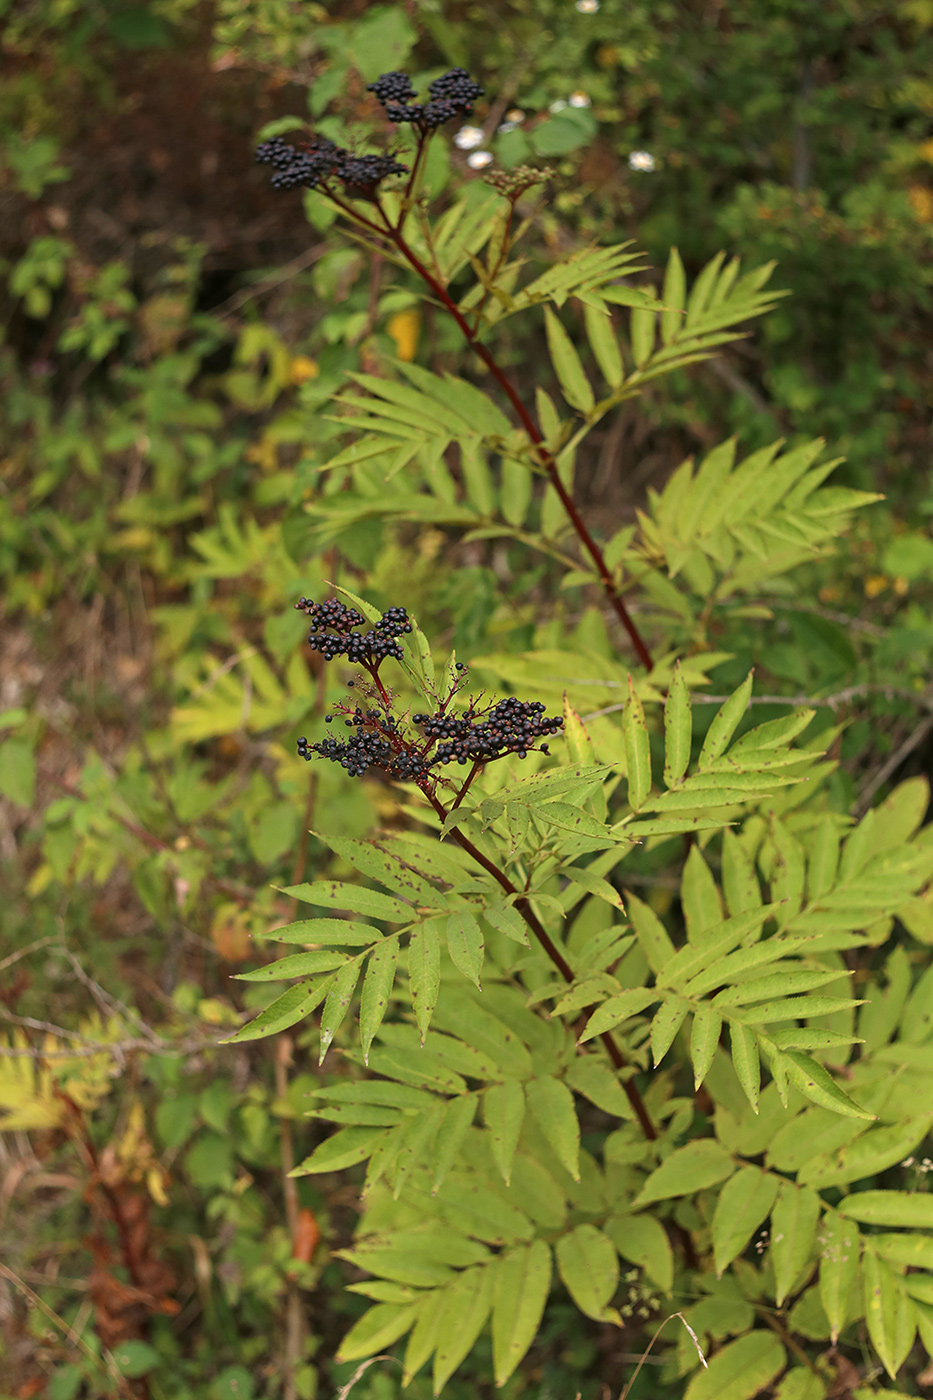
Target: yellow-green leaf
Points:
(589, 1267)
(521, 1286)
(637, 749)
(504, 1112)
(567, 365)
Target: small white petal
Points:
(515, 115)
(469, 137)
(557, 106)
(587, 7)
(641, 160)
(579, 99)
(479, 160)
(507, 126)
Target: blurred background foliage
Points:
(173, 334)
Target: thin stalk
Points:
(545, 456)
(556, 956)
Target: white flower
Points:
(557, 106)
(641, 160)
(479, 160)
(515, 114)
(469, 137)
(579, 99)
(587, 7)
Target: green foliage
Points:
(750, 934)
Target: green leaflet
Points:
(377, 989)
(637, 750)
(793, 1235)
(574, 819)
(415, 1147)
(465, 944)
(589, 1268)
(503, 1112)
(618, 1009)
(567, 365)
(744, 1202)
(458, 1116)
(908, 1209)
(380, 865)
(424, 972)
(551, 1103)
(287, 1010)
(678, 729)
(338, 1003)
(688, 1169)
(377, 1329)
(592, 1077)
(643, 1240)
(702, 906)
(359, 900)
(889, 1313)
(725, 723)
(869, 1154)
(605, 346)
(317, 960)
(506, 918)
(745, 1061)
(474, 1209)
(789, 980)
(788, 1009)
(839, 1261)
(800, 1383)
(460, 1320)
(343, 1149)
(665, 1025)
(335, 932)
(521, 1285)
(690, 960)
(422, 1341)
(643, 325)
(515, 491)
(913, 1249)
(704, 1039)
(739, 881)
(740, 1370)
(652, 936)
(674, 296)
(807, 1075)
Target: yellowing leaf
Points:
(404, 328)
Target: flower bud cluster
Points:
(367, 649)
(452, 95)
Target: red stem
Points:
(531, 428)
(555, 955)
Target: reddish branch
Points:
(545, 456)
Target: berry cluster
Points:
(452, 95)
(475, 736)
(511, 726)
(376, 744)
(318, 159)
(367, 649)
